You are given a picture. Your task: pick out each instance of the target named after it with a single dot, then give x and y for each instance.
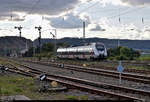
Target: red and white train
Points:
(91, 51)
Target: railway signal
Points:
(44, 86)
(55, 41)
(39, 29)
(42, 77)
(120, 69)
(19, 28)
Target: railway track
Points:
(146, 63)
(96, 87)
(135, 63)
(126, 76)
(132, 62)
(132, 70)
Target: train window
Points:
(99, 47)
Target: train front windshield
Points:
(99, 47)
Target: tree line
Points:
(123, 53)
(47, 50)
(118, 53)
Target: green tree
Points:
(49, 47)
(114, 51)
(46, 50)
(122, 53)
(61, 44)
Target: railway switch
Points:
(84, 65)
(54, 84)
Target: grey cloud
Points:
(17, 19)
(44, 7)
(134, 30)
(97, 28)
(147, 30)
(8, 16)
(136, 2)
(69, 21)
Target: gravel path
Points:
(92, 77)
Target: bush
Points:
(6, 91)
(122, 53)
(18, 90)
(49, 55)
(111, 58)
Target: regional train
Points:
(90, 51)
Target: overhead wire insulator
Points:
(119, 20)
(142, 20)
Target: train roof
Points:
(80, 47)
(86, 44)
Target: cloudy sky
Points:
(117, 19)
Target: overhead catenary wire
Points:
(32, 7)
(88, 7)
(120, 14)
(124, 13)
(111, 17)
(85, 10)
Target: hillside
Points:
(110, 43)
(13, 43)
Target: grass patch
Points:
(84, 98)
(144, 58)
(71, 97)
(16, 85)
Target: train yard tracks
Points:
(117, 92)
(101, 64)
(110, 90)
(126, 76)
(126, 63)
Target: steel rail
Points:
(126, 76)
(93, 83)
